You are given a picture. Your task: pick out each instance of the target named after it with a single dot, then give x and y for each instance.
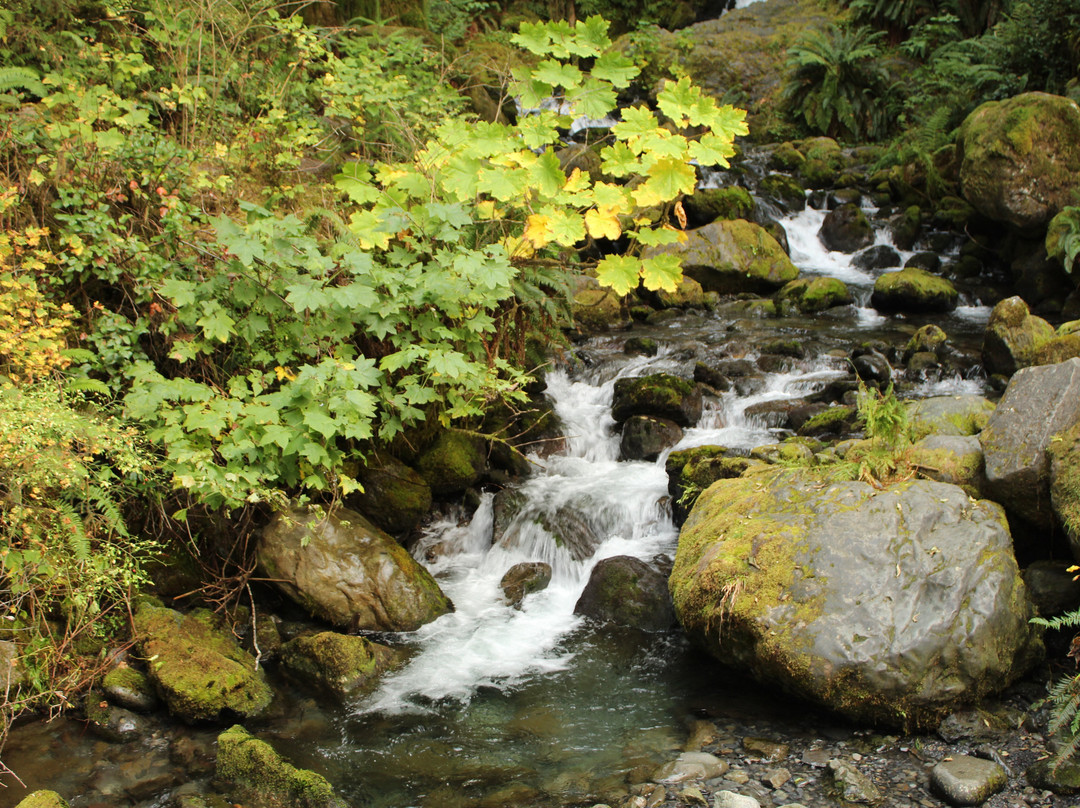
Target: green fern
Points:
(21, 78)
(73, 530)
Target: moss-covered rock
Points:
(915, 291)
(846, 229)
(709, 204)
(928, 339)
(523, 579)
(1020, 158)
(198, 667)
(343, 569)
(893, 606)
(688, 295)
(691, 471)
(785, 190)
(730, 257)
(811, 295)
(627, 592)
(644, 437)
(260, 776)
(837, 422)
(1013, 337)
(395, 496)
(949, 415)
(130, 688)
(824, 161)
(786, 157)
(596, 309)
(43, 799)
(1063, 779)
(338, 664)
(1064, 453)
(453, 463)
(661, 395)
(954, 459)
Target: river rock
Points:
(130, 688)
(889, 605)
(785, 190)
(872, 366)
(1064, 454)
(43, 799)
(661, 395)
(1063, 778)
(570, 523)
(1039, 404)
(260, 776)
(880, 256)
(1013, 336)
(914, 291)
(691, 471)
(966, 780)
(928, 339)
(690, 766)
(1052, 587)
(343, 569)
(954, 459)
(599, 309)
(852, 784)
(337, 664)
(950, 415)
(524, 579)
(813, 295)
(198, 667)
(453, 463)
(706, 205)
(687, 295)
(114, 724)
(644, 437)
(729, 799)
(846, 229)
(395, 496)
(730, 257)
(628, 592)
(1019, 158)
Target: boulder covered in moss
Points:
(914, 291)
(687, 295)
(260, 776)
(524, 579)
(628, 592)
(338, 664)
(130, 688)
(1013, 336)
(395, 496)
(1039, 405)
(949, 415)
(454, 463)
(1019, 158)
(785, 191)
(644, 437)
(846, 229)
(706, 205)
(954, 459)
(599, 309)
(1064, 452)
(660, 395)
(344, 570)
(730, 257)
(691, 471)
(197, 666)
(811, 295)
(893, 606)
(43, 799)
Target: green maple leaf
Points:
(531, 91)
(616, 68)
(355, 180)
(538, 130)
(658, 236)
(607, 195)
(619, 160)
(533, 36)
(619, 272)
(557, 74)
(636, 121)
(670, 177)
(662, 271)
(306, 295)
(595, 99)
(567, 226)
(661, 143)
(592, 34)
(503, 184)
(547, 174)
(182, 293)
(712, 150)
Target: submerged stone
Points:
(337, 663)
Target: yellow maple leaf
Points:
(538, 230)
(603, 223)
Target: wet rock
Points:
(346, 571)
(729, 799)
(454, 463)
(336, 663)
(785, 190)
(891, 605)
(640, 346)
(395, 496)
(1013, 336)
(775, 778)
(114, 724)
(690, 766)
(817, 758)
(691, 471)
(524, 579)
(846, 229)
(1061, 779)
(977, 725)
(1064, 454)
(628, 592)
(914, 291)
(950, 415)
(853, 785)
(880, 256)
(813, 295)
(688, 295)
(198, 667)
(711, 377)
(1039, 404)
(644, 437)
(765, 748)
(730, 257)
(905, 228)
(261, 776)
(928, 261)
(661, 395)
(929, 338)
(706, 205)
(967, 780)
(43, 799)
(871, 366)
(130, 688)
(1019, 158)
(954, 459)
(1052, 587)
(599, 309)
(570, 523)
(824, 161)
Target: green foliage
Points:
(1063, 237)
(835, 83)
(1064, 695)
(1040, 41)
(453, 19)
(884, 417)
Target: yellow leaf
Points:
(284, 373)
(538, 230)
(603, 223)
(517, 247)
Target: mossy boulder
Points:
(523, 579)
(627, 591)
(786, 156)
(453, 463)
(344, 570)
(338, 664)
(660, 395)
(954, 459)
(395, 496)
(1013, 337)
(914, 291)
(811, 295)
(43, 799)
(596, 309)
(785, 190)
(197, 666)
(1057, 349)
(833, 422)
(893, 606)
(709, 204)
(687, 295)
(260, 776)
(730, 257)
(824, 161)
(1019, 158)
(691, 471)
(928, 339)
(130, 688)
(1039, 404)
(1063, 779)
(846, 229)
(644, 437)
(949, 415)
(1064, 453)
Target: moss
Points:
(1064, 454)
(1057, 349)
(964, 470)
(454, 463)
(787, 157)
(915, 290)
(598, 310)
(337, 663)
(785, 189)
(264, 778)
(126, 678)
(43, 799)
(834, 420)
(928, 338)
(710, 204)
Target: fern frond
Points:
(74, 531)
(21, 78)
(1067, 620)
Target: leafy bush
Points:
(1064, 696)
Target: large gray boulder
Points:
(1064, 453)
(628, 592)
(1039, 403)
(732, 256)
(887, 605)
(660, 395)
(343, 569)
(1013, 337)
(1019, 158)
